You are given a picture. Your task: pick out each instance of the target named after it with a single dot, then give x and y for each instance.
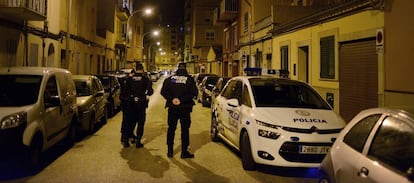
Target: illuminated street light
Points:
(131, 33)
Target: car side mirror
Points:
(216, 90)
(233, 102)
(52, 101)
(100, 93)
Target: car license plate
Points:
(314, 149)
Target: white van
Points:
(37, 110)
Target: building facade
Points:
(57, 34)
(355, 53)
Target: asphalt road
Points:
(101, 158)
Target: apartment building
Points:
(86, 37)
(355, 53)
(202, 35)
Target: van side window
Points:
(51, 88)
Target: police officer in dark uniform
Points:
(179, 90)
(137, 88)
(123, 97)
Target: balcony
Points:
(30, 10)
(228, 10)
(123, 10)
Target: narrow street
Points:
(101, 158)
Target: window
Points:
(235, 36)
(11, 52)
(210, 35)
(327, 57)
(284, 58)
(359, 133)
(246, 22)
(227, 40)
(246, 97)
(51, 88)
(390, 144)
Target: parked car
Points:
(218, 87)
(221, 82)
(198, 78)
(113, 88)
(377, 145)
(274, 121)
(154, 76)
(205, 89)
(91, 100)
(37, 110)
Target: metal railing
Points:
(38, 6)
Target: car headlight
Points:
(13, 120)
(267, 133)
(261, 123)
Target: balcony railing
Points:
(228, 9)
(123, 9)
(34, 10)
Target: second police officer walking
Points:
(137, 88)
(179, 90)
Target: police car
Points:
(274, 121)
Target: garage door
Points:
(358, 77)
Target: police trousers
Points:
(134, 116)
(184, 115)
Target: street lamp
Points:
(151, 60)
(154, 33)
(129, 28)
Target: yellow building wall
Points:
(357, 26)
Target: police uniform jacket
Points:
(137, 88)
(181, 86)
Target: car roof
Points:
(32, 70)
(83, 77)
(247, 78)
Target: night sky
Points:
(166, 11)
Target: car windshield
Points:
(285, 93)
(82, 88)
(106, 82)
(19, 90)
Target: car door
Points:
(54, 120)
(350, 149)
(390, 154)
(99, 98)
(231, 110)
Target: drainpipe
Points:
(250, 31)
(68, 32)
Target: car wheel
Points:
(246, 153)
(72, 135)
(104, 118)
(91, 129)
(34, 154)
(204, 100)
(111, 109)
(213, 130)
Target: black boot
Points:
(170, 152)
(139, 145)
(125, 144)
(185, 153)
(124, 141)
